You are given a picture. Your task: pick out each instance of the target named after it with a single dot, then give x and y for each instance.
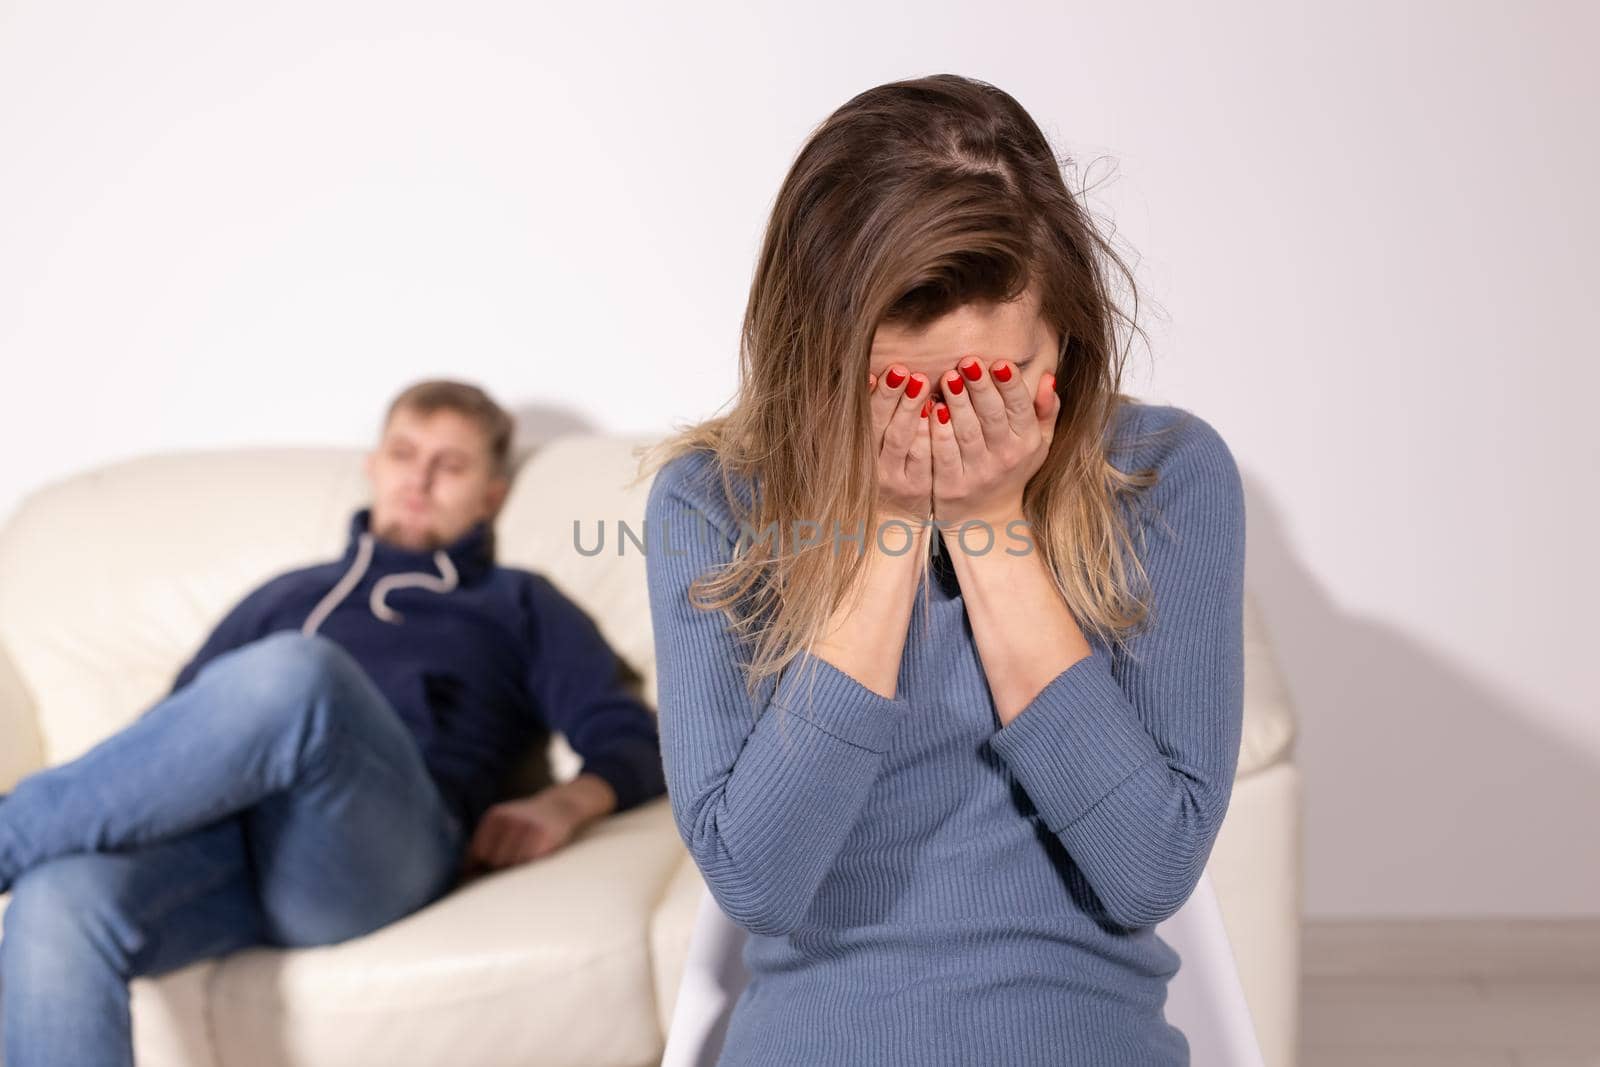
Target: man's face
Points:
(432, 478)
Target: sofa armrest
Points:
(21, 749)
(1270, 726)
(671, 928)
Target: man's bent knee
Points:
(285, 674)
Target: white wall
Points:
(1369, 228)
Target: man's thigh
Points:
(363, 841)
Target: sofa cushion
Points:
(545, 963)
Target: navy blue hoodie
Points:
(479, 660)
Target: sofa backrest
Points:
(111, 579)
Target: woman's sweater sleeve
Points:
(764, 791)
(1129, 759)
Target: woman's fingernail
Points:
(954, 384)
(894, 378)
(944, 413)
(926, 404)
(973, 370)
(1002, 372)
(914, 388)
(1051, 378)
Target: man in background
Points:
(329, 761)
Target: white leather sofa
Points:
(110, 579)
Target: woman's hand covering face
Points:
(901, 408)
(968, 456)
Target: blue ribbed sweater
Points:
(922, 885)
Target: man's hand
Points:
(519, 831)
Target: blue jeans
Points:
(276, 799)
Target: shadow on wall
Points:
(537, 424)
(1429, 790)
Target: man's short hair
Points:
(468, 400)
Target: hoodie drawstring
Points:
(443, 582)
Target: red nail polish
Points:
(1002, 372)
(1052, 379)
(926, 404)
(974, 371)
(894, 378)
(954, 384)
(914, 388)
(944, 413)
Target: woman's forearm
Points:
(1024, 631)
(866, 635)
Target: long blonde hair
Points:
(913, 199)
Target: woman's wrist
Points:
(897, 534)
(996, 516)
